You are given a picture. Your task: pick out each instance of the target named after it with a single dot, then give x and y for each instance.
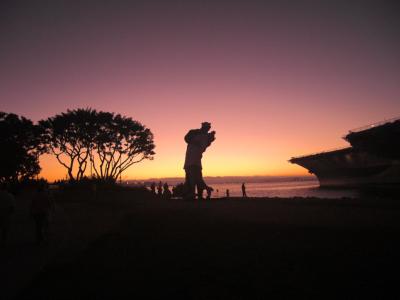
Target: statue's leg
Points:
(199, 182)
(190, 184)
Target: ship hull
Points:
(352, 169)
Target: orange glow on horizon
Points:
(52, 171)
(234, 153)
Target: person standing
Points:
(159, 189)
(153, 188)
(166, 193)
(198, 140)
(7, 209)
(244, 190)
(209, 191)
(41, 207)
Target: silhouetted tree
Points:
(110, 142)
(69, 137)
(20, 148)
(119, 143)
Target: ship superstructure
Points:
(372, 160)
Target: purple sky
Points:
(276, 79)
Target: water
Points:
(281, 189)
(284, 187)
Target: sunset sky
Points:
(275, 78)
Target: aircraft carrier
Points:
(372, 160)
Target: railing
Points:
(322, 152)
(386, 121)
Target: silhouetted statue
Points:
(227, 193)
(159, 189)
(198, 140)
(153, 188)
(244, 190)
(166, 193)
(7, 208)
(41, 207)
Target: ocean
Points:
(281, 189)
(271, 186)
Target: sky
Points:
(276, 79)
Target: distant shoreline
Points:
(230, 179)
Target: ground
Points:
(119, 246)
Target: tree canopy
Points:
(119, 143)
(20, 148)
(69, 138)
(109, 142)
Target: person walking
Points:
(244, 190)
(198, 140)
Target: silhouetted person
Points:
(166, 193)
(94, 190)
(153, 187)
(159, 189)
(227, 193)
(7, 209)
(41, 207)
(244, 190)
(209, 191)
(198, 140)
